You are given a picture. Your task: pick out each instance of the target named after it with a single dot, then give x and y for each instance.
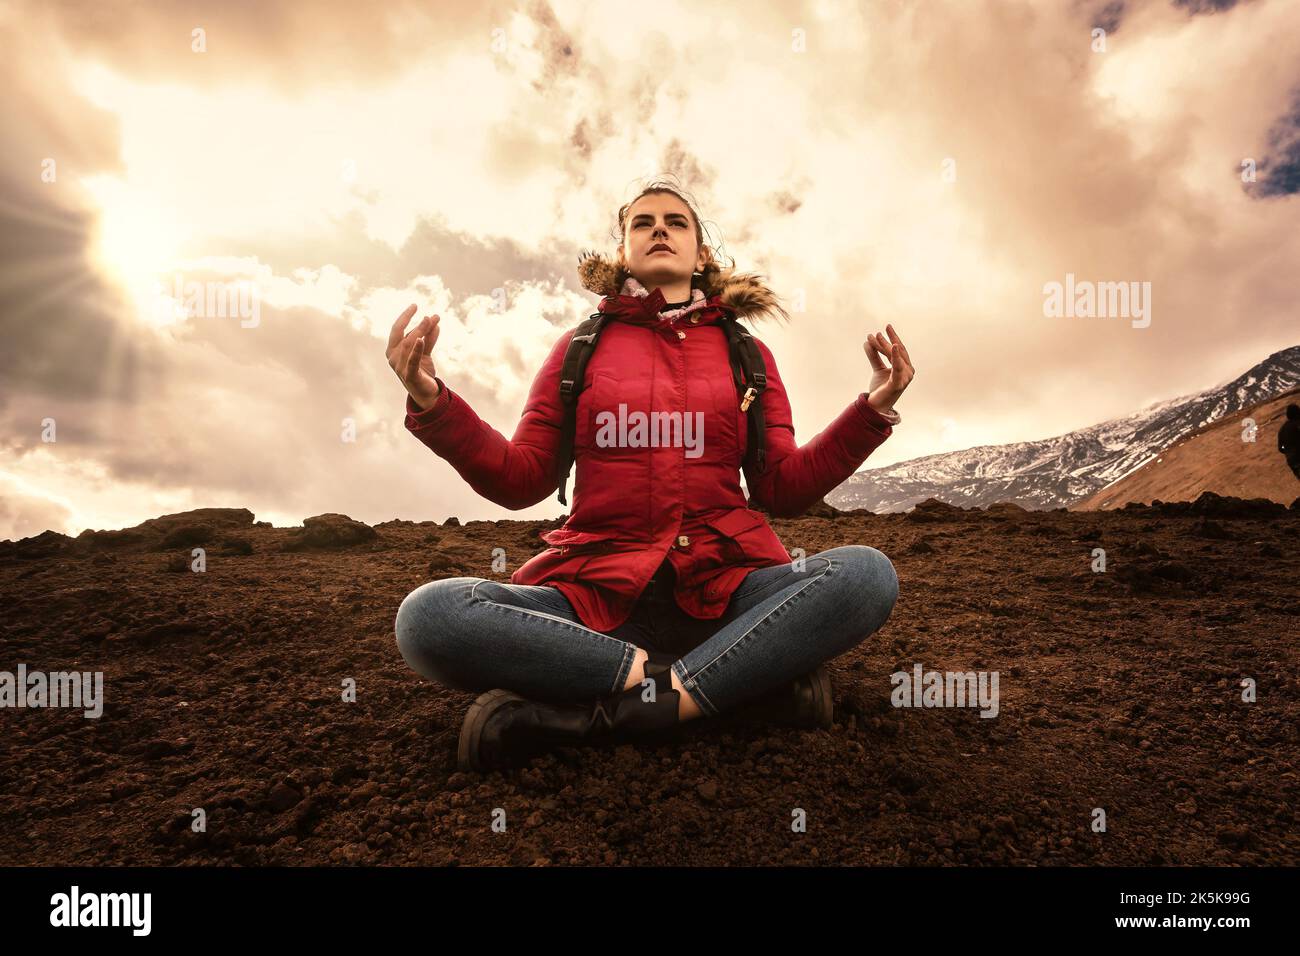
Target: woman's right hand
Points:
(410, 356)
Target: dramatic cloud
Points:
(1279, 169)
(929, 164)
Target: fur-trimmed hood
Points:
(744, 294)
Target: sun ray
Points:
(137, 242)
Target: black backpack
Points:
(747, 370)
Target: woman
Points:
(664, 597)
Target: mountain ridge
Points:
(1064, 469)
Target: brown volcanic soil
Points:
(1119, 690)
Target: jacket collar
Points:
(741, 295)
(639, 307)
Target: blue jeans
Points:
(473, 634)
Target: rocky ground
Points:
(224, 690)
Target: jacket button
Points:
(694, 319)
(683, 541)
(681, 334)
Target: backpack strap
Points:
(572, 374)
(750, 375)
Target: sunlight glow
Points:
(137, 244)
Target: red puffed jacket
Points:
(637, 503)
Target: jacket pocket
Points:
(742, 530)
(571, 540)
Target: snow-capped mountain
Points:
(1054, 472)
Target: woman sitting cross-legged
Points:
(664, 597)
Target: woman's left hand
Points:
(887, 381)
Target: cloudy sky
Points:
(932, 164)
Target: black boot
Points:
(503, 729)
(645, 709)
(803, 702)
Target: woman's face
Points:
(659, 245)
